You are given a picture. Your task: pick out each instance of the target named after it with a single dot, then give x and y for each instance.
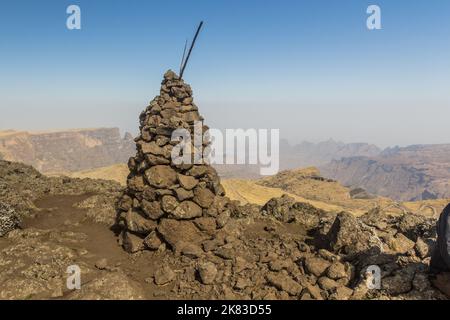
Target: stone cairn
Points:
(180, 205)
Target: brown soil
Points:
(59, 213)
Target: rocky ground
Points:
(282, 250)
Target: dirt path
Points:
(59, 213)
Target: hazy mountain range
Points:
(307, 154)
(68, 150)
(417, 172)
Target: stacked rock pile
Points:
(166, 201)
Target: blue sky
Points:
(310, 68)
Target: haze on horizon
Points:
(310, 68)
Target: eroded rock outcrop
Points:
(68, 150)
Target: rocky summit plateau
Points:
(284, 249)
(172, 232)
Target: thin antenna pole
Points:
(190, 49)
(184, 54)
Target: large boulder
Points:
(178, 233)
(415, 226)
(138, 224)
(316, 266)
(161, 176)
(207, 272)
(347, 236)
(280, 208)
(187, 182)
(286, 209)
(284, 282)
(187, 210)
(9, 219)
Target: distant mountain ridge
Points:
(84, 149)
(307, 154)
(417, 172)
(303, 155)
(66, 150)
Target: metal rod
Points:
(190, 49)
(184, 54)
